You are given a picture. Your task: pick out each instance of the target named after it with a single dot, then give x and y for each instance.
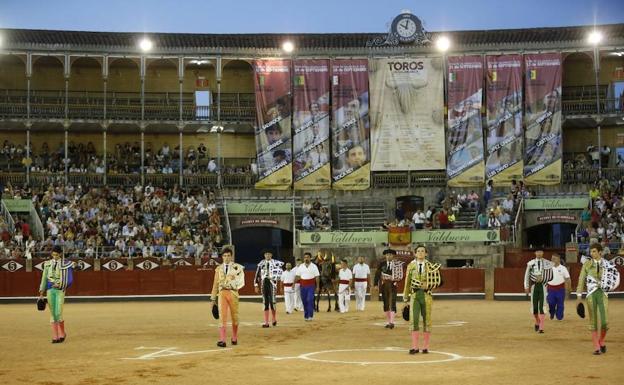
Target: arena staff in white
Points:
(345, 277)
(558, 286)
(288, 285)
(361, 273)
(298, 302)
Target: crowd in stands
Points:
(316, 216)
(603, 220)
(126, 159)
(118, 222)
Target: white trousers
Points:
(298, 301)
(289, 299)
(360, 295)
(344, 297)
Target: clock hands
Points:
(405, 25)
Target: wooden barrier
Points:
(182, 280)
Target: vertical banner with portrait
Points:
(273, 136)
(464, 140)
(350, 125)
(504, 158)
(543, 140)
(311, 168)
(407, 114)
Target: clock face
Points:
(406, 28)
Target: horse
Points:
(327, 282)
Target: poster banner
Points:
(407, 114)
(350, 125)
(543, 140)
(504, 160)
(273, 136)
(465, 164)
(311, 168)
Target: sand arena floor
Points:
(473, 342)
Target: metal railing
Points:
(588, 106)
(158, 106)
(8, 219)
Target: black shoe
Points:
(221, 344)
(536, 327)
(541, 332)
(413, 351)
(387, 326)
(56, 341)
(552, 316)
(391, 326)
(265, 325)
(597, 353)
(61, 340)
(425, 351)
(603, 349)
(274, 323)
(234, 342)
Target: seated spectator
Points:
(473, 200)
(493, 222)
(308, 222)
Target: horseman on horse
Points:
(328, 280)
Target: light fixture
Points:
(216, 128)
(199, 61)
(146, 44)
(443, 43)
(288, 46)
(594, 37)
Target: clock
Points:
(406, 27)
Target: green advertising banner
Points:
(441, 236)
(250, 207)
(556, 204)
(18, 205)
(379, 237)
(342, 237)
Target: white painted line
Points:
(313, 356)
(168, 352)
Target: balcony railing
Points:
(235, 107)
(246, 180)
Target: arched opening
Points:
(13, 86)
(162, 92)
(124, 89)
(551, 235)
(86, 98)
(47, 95)
(250, 242)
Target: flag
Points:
(451, 77)
(533, 74)
(493, 76)
(299, 80)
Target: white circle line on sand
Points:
(311, 357)
(450, 324)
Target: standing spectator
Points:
(488, 192)
(419, 219)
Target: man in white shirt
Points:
(345, 277)
(288, 285)
(361, 273)
(298, 302)
(558, 286)
(419, 219)
(308, 277)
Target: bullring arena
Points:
(133, 166)
(474, 342)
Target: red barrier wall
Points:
(184, 281)
(511, 280)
